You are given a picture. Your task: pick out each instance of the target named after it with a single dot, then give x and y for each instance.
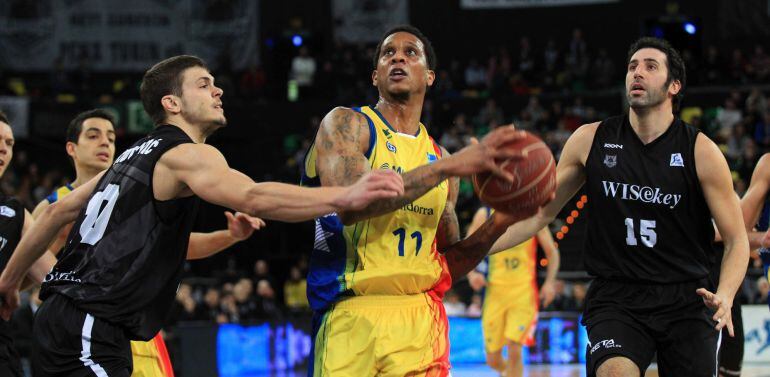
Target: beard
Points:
(400, 96)
(651, 98)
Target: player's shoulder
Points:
(189, 154)
(584, 135)
(342, 115)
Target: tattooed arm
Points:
(343, 138)
(448, 231)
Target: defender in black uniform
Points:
(15, 220)
(117, 276)
(654, 184)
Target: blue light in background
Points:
(296, 40)
(690, 28)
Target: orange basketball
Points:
(534, 179)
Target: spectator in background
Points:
(760, 64)
(228, 309)
(490, 113)
(294, 291)
(756, 102)
(303, 69)
(452, 304)
(712, 66)
(266, 307)
(603, 70)
(184, 307)
(262, 272)
(210, 309)
(244, 301)
(728, 116)
(475, 75)
(737, 67)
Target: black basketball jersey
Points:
(11, 224)
(647, 217)
(124, 256)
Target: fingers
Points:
(506, 154)
(703, 292)
(719, 314)
(474, 141)
(229, 216)
(502, 136)
(500, 172)
(386, 180)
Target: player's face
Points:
(6, 146)
(201, 101)
(646, 78)
(96, 144)
(402, 67)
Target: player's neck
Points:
(403, 117)
(196, 133)
(649, 123)
(83, 174)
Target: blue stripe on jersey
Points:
(372, 132)
(325, 280)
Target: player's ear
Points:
(171, 103)
(431, 77)
(70, 148)
(374, 77)
(675, 87)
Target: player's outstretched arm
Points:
(716, 181)
(343, 138)
(570, 176)
(35, 241)
(201, 169)
(42, 265)
(240, 226)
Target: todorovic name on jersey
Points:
(146, 148)
(645, 194)
(61, 276)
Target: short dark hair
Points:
(163, 79)
(674, 63)
(4, 118)
(430, 54)
(76, 124)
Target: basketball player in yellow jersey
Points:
(510, 308)
(91, 146)
(377, 275)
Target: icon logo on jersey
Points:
(390, 146)
(645, 194)
(387, 133)
(613, 146)
(395, 168)
(385, 166)
(7, 211)
(432, 158)
(610, 160)
(676, 160)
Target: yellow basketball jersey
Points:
(59, 193)
(392, 254)
(515, 265)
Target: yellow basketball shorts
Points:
(151, 358)
(509, 314)
(383, 336)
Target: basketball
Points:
(534, 179)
